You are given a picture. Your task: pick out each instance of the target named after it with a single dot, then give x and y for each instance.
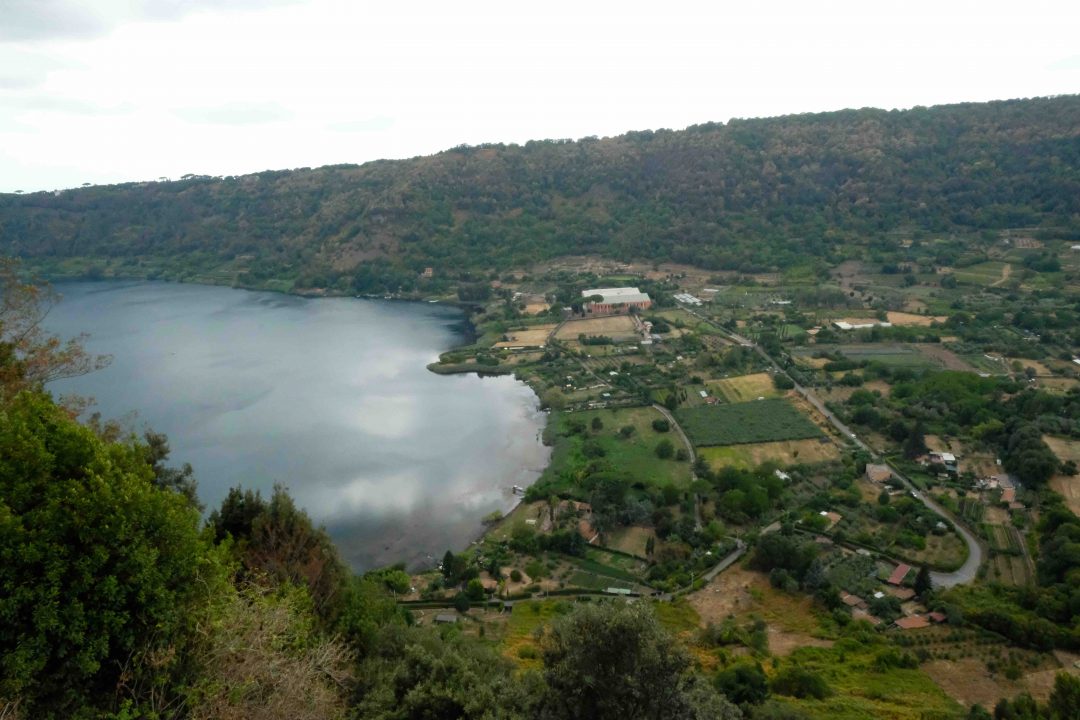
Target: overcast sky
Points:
(106, 91)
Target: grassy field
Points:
(860, 691)
(886, 353)
(785, 452)
(748, 422)
(744, 387)
(986, 273)
(635, 455)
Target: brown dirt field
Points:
(1057, 384)
(969, 682)
(785, 452)
(981, 465)
(533, 337)
(944, 356)
(816, 363)
(612, 326)
(879, 385)
(1037, 366)
(738, 592)
(996, 515)
(910, 319)
(536, 308)
(1069, 487)
(939, 444)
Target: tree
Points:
(915, 443)
(923, 583)
(278, 543)
(30, 357)
(597, 424)
(614, 661)
(661, 425)
(1065, 697)
(665, 449)
(103, 572)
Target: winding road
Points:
(970, 569)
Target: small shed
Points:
(444, 619)
(899, 574)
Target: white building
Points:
(616, 300)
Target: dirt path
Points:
(1006, 273)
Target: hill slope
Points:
(748, 195)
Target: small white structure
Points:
(845, 325)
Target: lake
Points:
(328, 396)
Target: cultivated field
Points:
(987, 273)
(615, 327)
(888, 354)
(911, 319)
(1067, 486)
(534, 336)
(744, 388)
(748, 422)
(784, 452)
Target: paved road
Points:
(969, 570)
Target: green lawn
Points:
(634, 456)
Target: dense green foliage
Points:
(99, 569)
(748, 195)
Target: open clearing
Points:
(535, 336)
(745, 387)
(1067, 486)
(738, 592)
(634, 455)
(630, 539)
(749, 422)
(614, 326)
(911, 319)
(785, 452)
(989, 273)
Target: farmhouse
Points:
(899, 574)
(912, 622)
(615, 300)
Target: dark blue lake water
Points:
(328, 396)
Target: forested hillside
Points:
(748, 195)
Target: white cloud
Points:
(276, 84)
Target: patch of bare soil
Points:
(969, 682)
(784, 643)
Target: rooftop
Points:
(912, 622)
(899, 574)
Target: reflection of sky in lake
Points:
(329, 397)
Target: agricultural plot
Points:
(535, 336)
(617, 327)
(1068, 486)
(748, 422)
(1008, 570)
(744, 388)
(634, 455)
(1001, 539)
(784, 452)
(888, 354)
(913, 319)
(986, 273)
